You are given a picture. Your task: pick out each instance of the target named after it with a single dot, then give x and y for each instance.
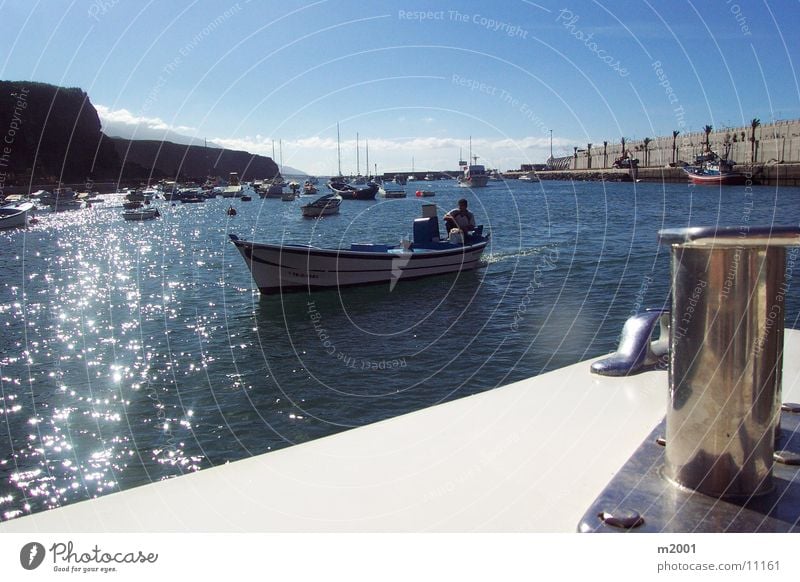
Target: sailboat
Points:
(359, 180)
(412, 177)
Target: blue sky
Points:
(416, 78)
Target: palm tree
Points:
(753, 125)
(675, 134)
(623, 147)
(575, 157)
(605, 154)
(589, 156)
(646, 142)
(708, 129)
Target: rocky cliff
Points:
(52, 134)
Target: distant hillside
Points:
(178, 161)
(53, 134)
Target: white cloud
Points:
(125, 117)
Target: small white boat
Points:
(529, 177)
(387, 190)
(279, 268)
(234, 187)
(15, 215)
(325, 206)
(141, 214)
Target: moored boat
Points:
(295, 267)
(141, 214)
(473, 175)
(348, 192)
(61, 199)
(711, 170)
(15, 215)
(324, 206)
(234, 187)
(387, 190)
(273, 189)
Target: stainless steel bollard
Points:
(726, 356)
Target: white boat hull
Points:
(15, 215)
(277, 268)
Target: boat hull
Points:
(474, 182)
(281, 268)
(140, 215)
(15, 216)
(352, 193)
(716, 179)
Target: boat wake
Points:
(525, 252)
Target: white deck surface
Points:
(530, 456)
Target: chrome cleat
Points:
(636, 352)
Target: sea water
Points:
(134, 352)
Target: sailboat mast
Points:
(280, 149)
(367, 156)
(358, 170)
(338, 148)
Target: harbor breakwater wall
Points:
(760, 174)
(771, 143)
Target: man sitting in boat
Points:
(460, 218)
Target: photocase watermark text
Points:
(99, 8)
(569, 20)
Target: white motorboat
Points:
(324, 206)
(15, 215)
(529, 177)
(234, 187)
(473, 175)
(388, 190)
(286, 267)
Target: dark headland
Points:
(53, 135)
